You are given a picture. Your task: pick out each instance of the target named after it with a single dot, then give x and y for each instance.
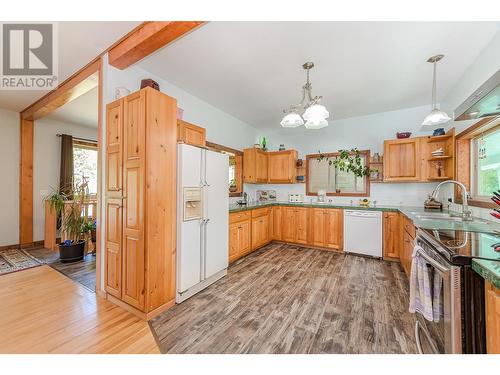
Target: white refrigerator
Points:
(202, 219)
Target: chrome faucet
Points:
(466, 213)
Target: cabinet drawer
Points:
(261, 212)
(239, 216)
(409, 227)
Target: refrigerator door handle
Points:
(202, 249)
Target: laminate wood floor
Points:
(82, 271)
(42, 311)
(288, 299)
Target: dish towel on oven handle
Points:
(425, 290)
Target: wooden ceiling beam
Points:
(75, 86)
(148, 38)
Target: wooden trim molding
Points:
(148, 38)
(239, 166)
(366, 193)
(463, 158)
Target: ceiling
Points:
(253, 71)
(81, 111)
(79, 43)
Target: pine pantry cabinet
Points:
(140, 198)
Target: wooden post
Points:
(50, 228)
(26, 183)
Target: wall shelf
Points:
(439, 138)
(439, 158)
(439, 178)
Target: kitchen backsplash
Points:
(403, 194)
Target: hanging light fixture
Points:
(436, 117)
(308, 112)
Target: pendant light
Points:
(313, 116)
(436, 117)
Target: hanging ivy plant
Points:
(347, 161)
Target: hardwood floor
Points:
(42, 311)
(288, 299)
(82, 271)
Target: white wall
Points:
(485, 65)
(46, 163)
(221, 127)
(365, 132)
(9, 170)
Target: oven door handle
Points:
(433, 262)
(419, 327)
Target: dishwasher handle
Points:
(361, 213)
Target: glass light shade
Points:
(436, 117)
(292, 120)
(316, 124)
(316, 111)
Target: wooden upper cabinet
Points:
(282, 167)
(191, 134)
(402, 160)
(393, 231)
(255, 166)
(492, 299)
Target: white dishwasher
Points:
(363, 232)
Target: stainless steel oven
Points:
(444, 336)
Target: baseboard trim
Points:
(24, 246)
(140, 314)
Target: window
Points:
(85, 164)
(323, 176)
(485, 164)
(235, 168)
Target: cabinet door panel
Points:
(233, 242)
(301, 225)
(334, 228)
(114, 138)
(288, 227)
(282, 166)
(318, 235)
(262, 166)
(244, 237)
(277, 223)
(392, 234)
(492, 300)
(402, 160)
(113, 247)
(133, 276)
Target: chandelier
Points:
(308, 112)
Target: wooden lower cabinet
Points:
(405, 256)
(260, 231)
(326, 228)
(301, 215)
(492, 299)
(276, 233)
(239, 240)
(392, 235)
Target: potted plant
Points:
(347, 161)
(69, 208)
(232, 186)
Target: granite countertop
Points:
(489, 270)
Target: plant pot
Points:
(233, 189)
(71, 253)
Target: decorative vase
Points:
(71, 253)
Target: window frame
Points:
(366, 193)
(474, 165)
(86, 145)
(464, 159)
(238, 166)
